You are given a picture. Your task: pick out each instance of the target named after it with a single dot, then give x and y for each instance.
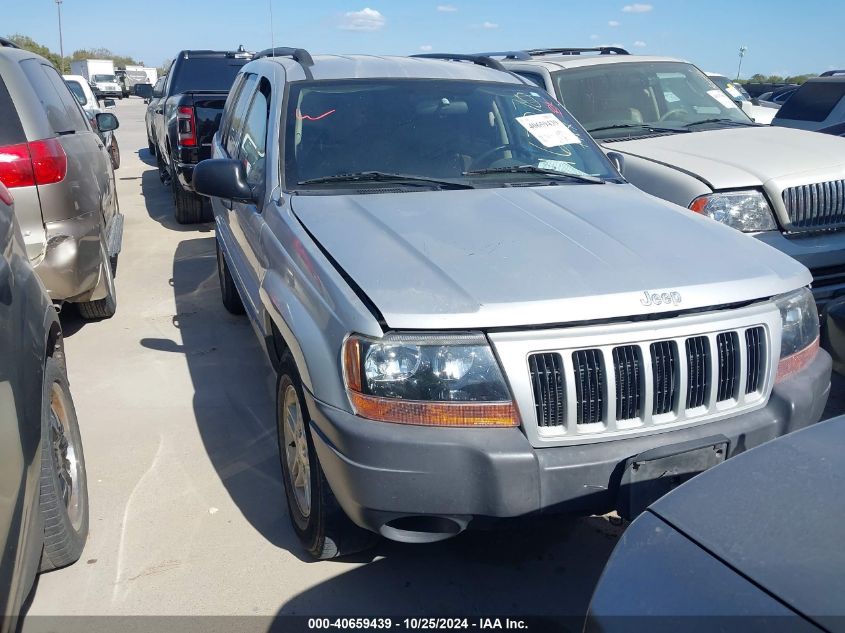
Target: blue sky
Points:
(783, 37)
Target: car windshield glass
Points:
(77, 91)
(735, 91)
(207, 73)
(104, 79)
(447, 130)
(637, 95)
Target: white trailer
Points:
(135, 72)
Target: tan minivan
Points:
(61, 176)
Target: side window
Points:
(534, 78)
(253, 141)
(238, 114)
(158, 89)
(234, 93)
(62, 110)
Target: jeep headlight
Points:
(799, 339)
(746, 211)
(427, 379)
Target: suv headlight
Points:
(799, 341)
(746, 211)
(427, 379)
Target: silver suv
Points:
(472, 315)
(685, 140)
(60, 173)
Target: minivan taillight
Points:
(186, 126)
(38, 163)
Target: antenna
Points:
(272, 39)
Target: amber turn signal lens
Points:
(455, 414)
(793, 364)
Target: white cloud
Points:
(426, 48)
(489, 25)
(364, 20)
(446, 8)
(637, 8)
(613, 23)
(640, 44)
(594, 37)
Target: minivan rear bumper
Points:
(390, 477)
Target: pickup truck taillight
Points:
(38, 163)
(186, 127)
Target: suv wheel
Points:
(63, 499)
(317, 518)
(114, 153)
(189, 206)
(106, 307)
(151, 146)
(228, 290)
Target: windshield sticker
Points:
(548, 129)
(308, 117)
(734, 91)
(553, 108)
(671, 97)
(525, 99)
(561, 166)
(722, 98)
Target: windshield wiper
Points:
(531, 169)
(382, 176)
(641, 126)
(721, 120)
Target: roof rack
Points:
(602, 50)
(832, 73)
(8, 43)
(297, 54)
(481, 60)
(517, 55)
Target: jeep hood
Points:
(740, 157)
(524, 256)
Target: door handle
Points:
(159, 110)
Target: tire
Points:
(318, 520)
(106, 307)
(114, 153)
(189, 206)
(63, 496)
(228, 291)
(151, 146)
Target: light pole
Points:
(61, 43)
(742, 50)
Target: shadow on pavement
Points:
(147, 157)
(159, 203)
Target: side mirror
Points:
(107, 122)
(755, 101)
(618, 161)
(222, 178)
(146, 100)
(109, 103)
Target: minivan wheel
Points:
(229, 292)
(189, 206)
(63, 496)
(151, 146)
(106, 307)
(318, 520)
(114, 153)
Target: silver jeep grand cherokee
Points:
(472, 315)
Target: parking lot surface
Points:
(188, 517)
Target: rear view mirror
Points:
(222, 178)
(107, 122)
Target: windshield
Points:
(734, 90)
(637, 95)
(77, 91)
(207, 73)
(110, 79)
(434, 129)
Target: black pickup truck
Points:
(186, 118)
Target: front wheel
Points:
(228, 291)
(63, 498)
(318, 520)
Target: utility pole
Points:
(61, 43)
(742, 50)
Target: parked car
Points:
(687, 142)
(82, 91)
(60, 173)
(43, 493)
(751, 107)
(152, 103)
(818, 104)
(186, 118)
(754, 544)
(471, 313)
(777, 97)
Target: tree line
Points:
(777, 79)
(27, 43)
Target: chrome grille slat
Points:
(547, 382)
(727, 344)
(698, 353)
(589, 385)
(664, 358)
(816, 206)
(754, 343)
(627, 364)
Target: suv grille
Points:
(648, 383)
(816, 206)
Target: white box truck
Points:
(100, 75)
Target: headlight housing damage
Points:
(427, 379)
(800, 331)
(746, 211)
